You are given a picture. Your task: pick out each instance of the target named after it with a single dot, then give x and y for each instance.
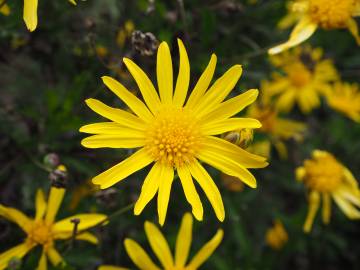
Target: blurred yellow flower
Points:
(231, 183)
(276, 237)
(5, 9)
(162, 251)
(345, 98)
(124, 33)
(174, 135)
(313, 14)
(305, 76)
(324, 176)
(101, 51)
(43, 230)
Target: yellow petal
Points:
(86, 221)
(18, 251)
(30, 14)
(231, 106)
(203, 83)
(139, 256)
(122, 117)
(110, 267)
(109, 128)
(346, 207)
(206, 251)
(209, 187)
(40, 205)
(183, 79)
(300, 173)
(72, 2)
(183, 241)
(135, 104)
(314, 202)
(55, 199)
(350, 193)
(164, 73)
(54, 256)
(149, 188)
(166, 179)
(159, 245)
(16, 216)
(145, 85)
(42, 262)
(222, 126)
(89, 237)
(326, 209)
(135, 162)
(126, 139)
(190, 192)
(354, 30)
(302, 31)
(5, 9)
(285, 101)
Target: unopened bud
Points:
(58, 177)
(52, 160)
(144, 43)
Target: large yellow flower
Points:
(173, 135)
(313, 14)
(345, 98)
(43, 230)
(306, 77)
(326, 177)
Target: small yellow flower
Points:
(276, 237)
(305, 76)
(345, 98)
(101, 51)
(231, 183)
(313, 14)
(162, 251)
(324, 176)
(43, 230)
(5, 9)
(175, 136)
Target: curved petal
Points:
(16, 216)
(209, 187)
(346, 207)
(314, 202)
(354, 30)
(30, 14)
(164, 73)
(89, 237)
(230, 124)
(40, 205)
(55, 199)
(108, 128)
(149, 188)
(135, 104)
(286, 100)
(183, 79)
(145, 85)
(159, 245)
(18, 251)
(135, 162)
(54, 256)
(190, 192)
(206, 251)
(166, 179)
(183, 241)
(42, 262)
(203, 83)
(126, 139)
(86, 221)
(139, 256)
(326, 209)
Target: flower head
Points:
(44, 231)
(324, 176)
(162, 251)
(276, 237)
(313, 14)
(175, 136)
(345, 98)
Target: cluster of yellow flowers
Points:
(176, 131)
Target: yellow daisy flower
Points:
(162, 251)
(324, 176)
(276, 237)
(345, 98)
(43, 230)
(313, 14)
(174, 136)
(305, 76)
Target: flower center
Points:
(299, 74)
(41, 234)
(174, 136)
(331, 14)
(323, 173)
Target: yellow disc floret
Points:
(41, 234)
(299, 74)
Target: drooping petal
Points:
(30, 14)
(54, 256)
(203, 83)
(159, 245)
(16, 216)
(89, 237)
(314, 202)
(300, 173)
(206, 251)
(164, 73)
(55, 199)
(146, 87)
(126, 139)
(354, 30)
(42, 262)
(166, 179)
(139, 256)
(109, 128)
(40, 205)
(302, 31)
(222, 126)
(149, 188)
(86, 221)
(135, 162)
(183, 79)
(18, 251)
(207, 184)
(190, 192)
(326, 209)
(351, 194)
(183, 241)
(346, 207)
(117, 115)
(135, 104)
